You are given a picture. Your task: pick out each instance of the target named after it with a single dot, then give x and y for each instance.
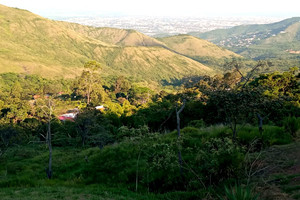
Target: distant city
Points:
(160, 26)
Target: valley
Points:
(92, 112)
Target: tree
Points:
(178, 133)
(47, 106)
(139, 95)
(234, 106)
(234, 99)
(92, 128)
(122, 86)
(88, 82)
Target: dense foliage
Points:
(130, 143)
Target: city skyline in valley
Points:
(158, 8)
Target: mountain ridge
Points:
(258, 41)
(33, 44)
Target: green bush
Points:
(197, 123)
(217, 131)
(12, 134)
(291, 125)
(214, 161)
(239, 193)
(273, 135)
(125, 132)
(247, 134)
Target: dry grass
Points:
(32, 44)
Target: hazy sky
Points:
(273, 8)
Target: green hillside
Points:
(35, 45)
(195, 47)
(280, 39)
(199, 50)
(114, 36)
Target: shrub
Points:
(197, 123)
(239, 193)
(247, 134)
(291, 125)
(12, 134)
(216, 160)
(125, 132)
(217, 131)
(273, 135)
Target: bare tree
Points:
(178, 132)
(47, 108)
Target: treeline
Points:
(131, 143)
(228, 99)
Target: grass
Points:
(22, 175)
(195, 47)
(268, 40)
(62, 192)
(32, 44)
(110, 173)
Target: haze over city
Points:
(177, 8)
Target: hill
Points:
(280, 39)
(195, 47)
(114, 36)
(32, 44)
(200, 50)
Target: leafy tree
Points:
(230, 99)
(122, 86)
(92, 128)
(280, 84)
(140, 95)
(16, 90)
(89, 84)
(15, 110)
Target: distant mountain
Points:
(32, 44)
(280, 39)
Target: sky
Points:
(176, 8)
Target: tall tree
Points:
(122, 86)
(47, 105)
(178, 132)
(89, 80)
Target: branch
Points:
(166, 120)
(182, 107)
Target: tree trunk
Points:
(178, 134)
(234, 129)
(49, 170)
(260, 123)
(49, 173)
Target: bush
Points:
(214, 161)
(247, 134)
(273, 135)
(291, 125)
(12, 134)
(125, 132)
(217, 131)
(197, 123)
(239, 193)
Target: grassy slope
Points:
(92, 173)
(32, 44)
(276, 38)
(114, 36)
(220, 34)
(279, 172)
(192, 46)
